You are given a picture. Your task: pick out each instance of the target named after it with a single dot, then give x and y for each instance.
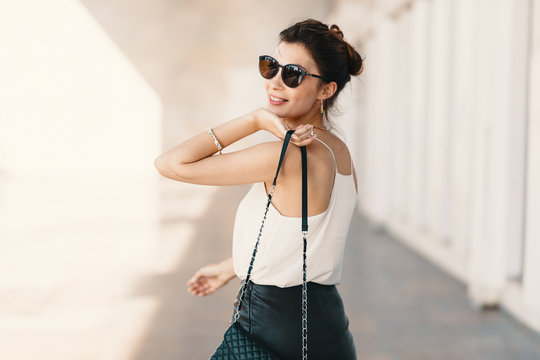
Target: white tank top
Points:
(279, 254)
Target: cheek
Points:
(301, 103)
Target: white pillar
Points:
(419, 47)
(517, 14)
(497, 153)
(531, 277)
(378, 129)
(437, 124)
(399, 117)
(462, 123)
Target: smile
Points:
(276, 101)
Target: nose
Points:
(276, 82)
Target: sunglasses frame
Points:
(303, 72)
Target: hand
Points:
(269, 121)
(210, 278)
(302, 135)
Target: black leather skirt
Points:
(273, 315)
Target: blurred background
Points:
(96, 248)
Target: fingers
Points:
(206, 280)
(302, 132)
(207, 270)
(195, 278)
(306, 141)
(197, 284)
(303, 135)
(201, 287)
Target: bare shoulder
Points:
(340, 144)
(343, 157)
(272, 153)
(292, 161)
(341, 151)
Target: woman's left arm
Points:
(175, 162)
(202, 145)
(192, 160)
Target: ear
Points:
(327, 90)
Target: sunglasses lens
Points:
(268, 67)
(292, 75)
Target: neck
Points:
(313, 117)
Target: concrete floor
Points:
(118, 292)
(403, 307)
(400, 306)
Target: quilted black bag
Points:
(237, 343)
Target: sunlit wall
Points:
(79, 129)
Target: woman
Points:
(299, 97)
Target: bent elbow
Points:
(159, 163)
(162, 166)
(167, 169)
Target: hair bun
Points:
(354, 61)
(336, 29)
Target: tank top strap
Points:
(333, 157)
(350, 155)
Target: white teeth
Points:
(275, 99)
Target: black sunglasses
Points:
(292, 75)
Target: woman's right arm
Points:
(211, 277)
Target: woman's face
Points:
(288, 102)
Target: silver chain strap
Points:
(304, 300)
(246, 280)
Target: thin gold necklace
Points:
(316, 127)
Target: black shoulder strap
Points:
(304, 231)
(304, 175)
(283, 150)
(304, 188)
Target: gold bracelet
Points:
(218, 145)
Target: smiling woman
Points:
(315, 64)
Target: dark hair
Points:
(336, 59)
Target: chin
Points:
(279, 111)
(283, 112)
